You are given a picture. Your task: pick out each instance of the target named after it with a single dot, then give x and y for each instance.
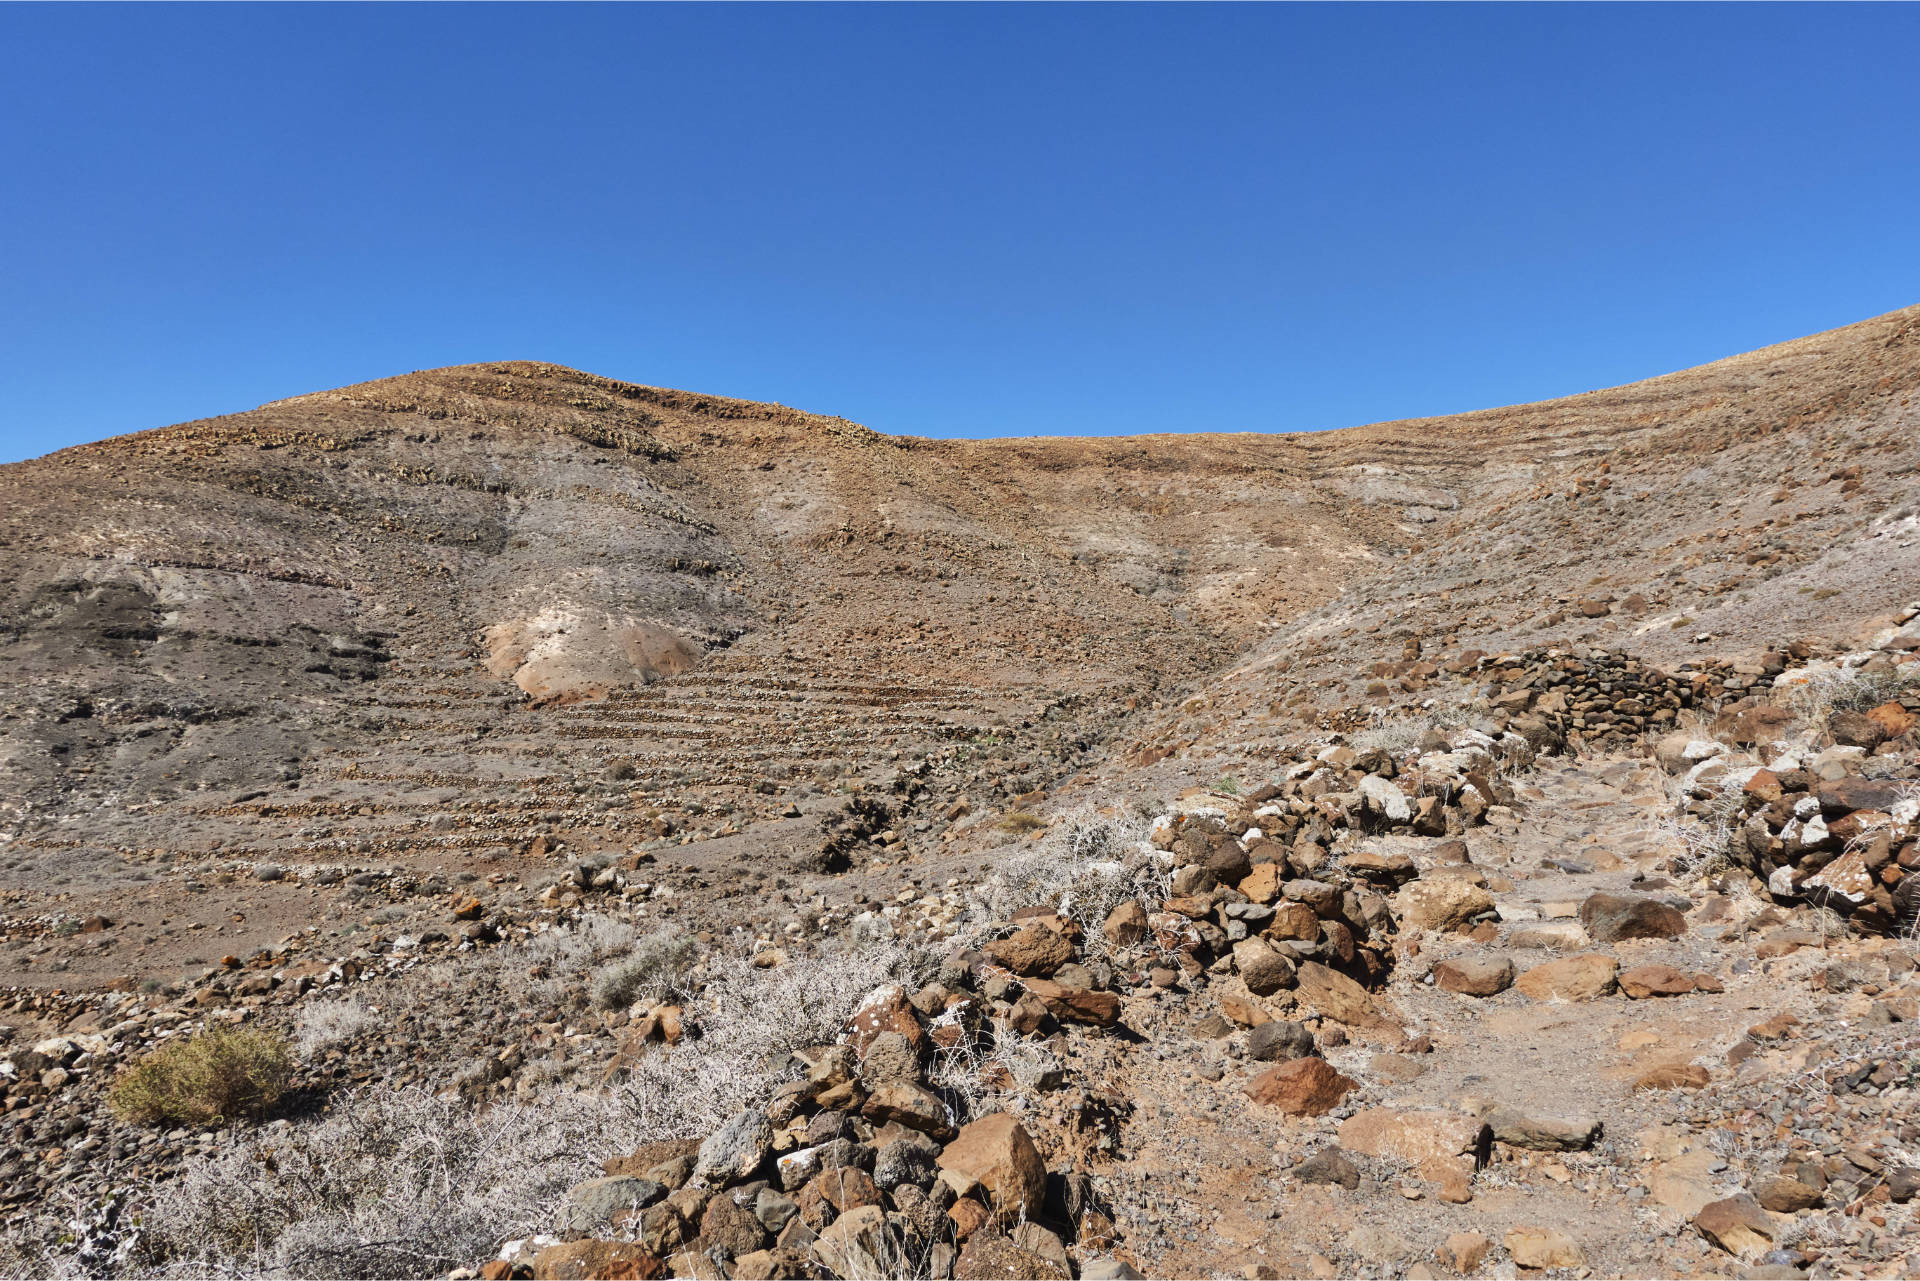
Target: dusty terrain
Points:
(360, 689)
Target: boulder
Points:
(1572, 978)
(1441, 903)
(1474, 975)
(996, 1153)
(1301, 1087)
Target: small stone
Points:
(1330, 1165)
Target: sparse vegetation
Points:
(1848, 689)
(410, 1183)
(325, 1024)
(654, 968)
(222, 1074)
(1020, 822)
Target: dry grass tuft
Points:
(221, 1074)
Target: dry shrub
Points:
(325, 1024)
(221, 1074)
(1087, 865)
(655, 968)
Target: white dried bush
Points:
(1848, 689)
(325, 1024)
(994, 1071)
(1085, 866)
(392, 1184)
(654, 969)
(1702, 845)
(1401, 736)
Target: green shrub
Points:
(221, 1074)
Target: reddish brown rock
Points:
(1672, 1076)
(1643, 981)
(1076, 1005)
(1474, 975)
(1031, 950)
(996, 1153)
(1737, 1225)
(1610, 918)
(597, 1261)
(1572, 978)
(1301, 1087)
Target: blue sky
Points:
(974, 220)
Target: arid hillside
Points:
(503, 823)
(441, 615)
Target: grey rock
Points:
(593, 1204)
(1278, 1041)
(733, 1152)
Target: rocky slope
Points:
(400, 688)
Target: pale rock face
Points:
(563, 655)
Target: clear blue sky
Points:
(978, 220)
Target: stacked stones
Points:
(1550, 695)
(1837, 826)
(858, 1167)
